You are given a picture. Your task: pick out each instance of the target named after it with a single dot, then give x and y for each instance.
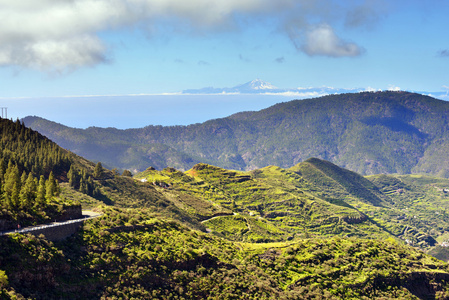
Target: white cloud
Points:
(57, 35)
(371, 89)
(55, 55)
(393, 88)
(322, 40)
(298, 95)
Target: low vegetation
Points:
(130, 253)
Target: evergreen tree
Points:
(23, 178)
(71, 175)
(83, 175)
(15, 197)
(98, 171)
(28, 192)
(83, 187)
(3, 167)
(50, 187)
(40, 197)
(90, 186)
(12, 179)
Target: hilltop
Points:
(369, 133)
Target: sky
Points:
(53, 52)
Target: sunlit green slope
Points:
(204, 233)
(128, 254)
(269, 204)
(314, 198)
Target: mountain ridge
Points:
(369, 133)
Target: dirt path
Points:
(219, 216)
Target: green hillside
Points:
(339, 182)
(314, 231)
(369, 133)
(312, 199)
(129, 254)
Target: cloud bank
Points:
(61, 35)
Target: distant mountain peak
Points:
(256, 84)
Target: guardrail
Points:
(40, 227)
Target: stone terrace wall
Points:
(56, 233)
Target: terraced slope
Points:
(313, 198)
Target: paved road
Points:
(87, 214)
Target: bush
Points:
(3, 279)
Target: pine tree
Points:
(15, 197)
(23, 178)
(12, 179)
(71, 175)
(3, 167)
(90, 186)
(98, 171)
(40, 197)
(83, 186)
(50, 187)
(28, 192)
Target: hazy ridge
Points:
(370, 133)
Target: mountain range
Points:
(258, 86)
(369, 132)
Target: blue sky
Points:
(52, 49)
